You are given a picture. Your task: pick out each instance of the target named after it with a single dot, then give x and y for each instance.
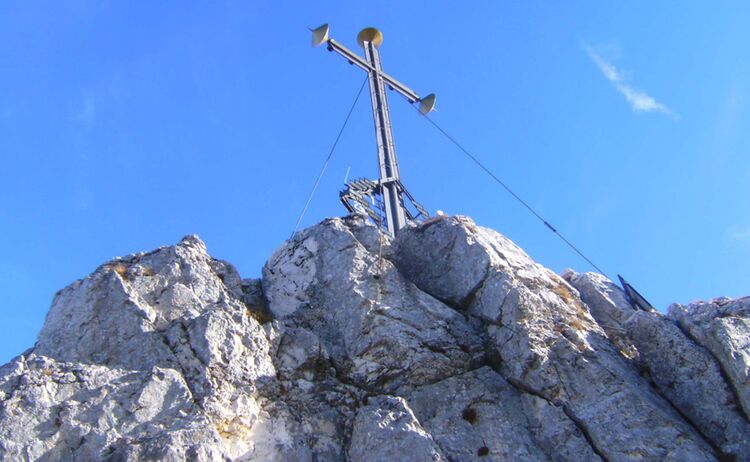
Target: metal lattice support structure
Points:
(363, 195)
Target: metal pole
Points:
(387, 161)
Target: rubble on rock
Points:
(446, 344)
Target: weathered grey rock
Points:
(723, 327)
(303, 421)
(486, 416)
(64, 411)
(117, 315)
(175, 310)
(684, 372)
(545, 339)
(608, 305)
(385, 430)
(448, 343)
(379, 330)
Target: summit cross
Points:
(391, 213)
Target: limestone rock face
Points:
(722, 326)
(386, 429)
(377, 329)
(446, 344)
(544, 340)
(684, 371)
(151, 357)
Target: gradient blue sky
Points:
(126, 125)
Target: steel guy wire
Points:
(512, 193)
(328, 159)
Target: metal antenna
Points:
(389, 192)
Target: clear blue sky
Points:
(126, 125)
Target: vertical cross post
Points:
(387, 160)
(389, 185)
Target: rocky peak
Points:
(446, 344)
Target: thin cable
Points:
(328, 159)
(516, 196)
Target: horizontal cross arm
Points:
(355, 59)
(352, 57)
(401, 88)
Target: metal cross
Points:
(388, 191)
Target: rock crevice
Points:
(679, 368)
